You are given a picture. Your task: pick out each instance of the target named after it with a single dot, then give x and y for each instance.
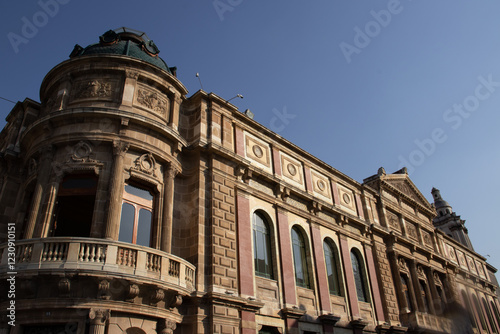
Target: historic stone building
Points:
(127, 206)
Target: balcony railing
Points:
(111, 257)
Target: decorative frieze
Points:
(94, 89)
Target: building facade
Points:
(127, 206)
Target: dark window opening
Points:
(75, 206)
(469, 309)
(490, 316)
(269, 330)
(479, 313)
(425, 300)
(406, 292)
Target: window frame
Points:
(268, 245)
(301, 248)
(138, 203)
(360, 280)
(336, 267)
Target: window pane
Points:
(127, 223)
(299, 259)
(331, 269)
(423, 291)
(359, 279)
(490, 317)
(144, 228)
(262, 247)
(138, 192)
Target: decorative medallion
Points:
(346, 198)
(321, 185)
(257, 151)
(291, 169)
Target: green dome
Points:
(127, 42)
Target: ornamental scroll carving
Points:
(146, 164)
(393, 221)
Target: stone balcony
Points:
(425, 322)
(101, 258)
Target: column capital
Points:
(98, 316)
(120, 148)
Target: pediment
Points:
(403, 185)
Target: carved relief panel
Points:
(393, 221)
(97, 88)
(151, 99)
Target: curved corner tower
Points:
(98, 162)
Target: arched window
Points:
(299, 258)
(495, 311)
(406, 292)
(469, 309)
(332, 267)
(479, 312)
(359, 276)
(425, 299)
(490, 316)
(137, 216)
(262, 246)
(75, 206)
(442, 303)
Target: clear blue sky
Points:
(361, 88)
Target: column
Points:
(245, 254)
(349, 278)
(168, 208)
(287, 272)
(416, 285)
(321, 274)
(98, 318)
(41, 183)
(116, 190)
(436, 298)
(377, 301)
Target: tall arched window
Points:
(332, 267)
(490, 316)
(359, 276)
(479, 312)
(469, 309)
(299, 258)
(137, 216)
(262, 246)
(406, 292)
(495, 311)
(425, 298)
